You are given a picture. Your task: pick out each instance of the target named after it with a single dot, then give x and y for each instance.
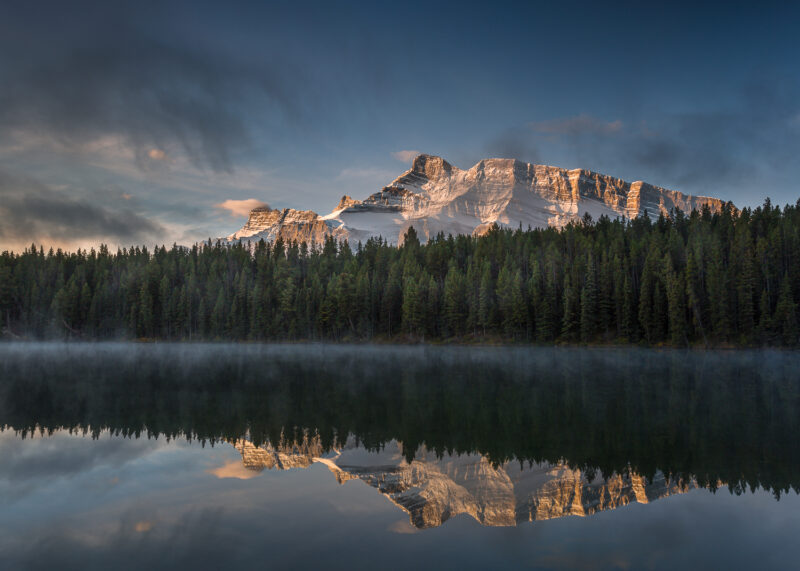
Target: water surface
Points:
(131, 456)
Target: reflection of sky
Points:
(72, 502)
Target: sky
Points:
(165, 122)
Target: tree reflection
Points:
(717, 417)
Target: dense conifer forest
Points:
(708, 279)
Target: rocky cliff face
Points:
(433, 489)
(435, 196)
(282, 457)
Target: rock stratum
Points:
(433, 489)
(434, 196)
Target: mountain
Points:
(435, 196)
(432, 488)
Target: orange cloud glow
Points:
(240, 207)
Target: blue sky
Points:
(134, 122)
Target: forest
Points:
(728, 278)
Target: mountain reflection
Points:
(433, 488)
(503, 434)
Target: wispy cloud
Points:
(405, 156)
(33, 211)
(742, 152)
(514, 143)
(240, 207)
(135, 84)
(233, 469)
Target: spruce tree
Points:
(455, 310)
(570, 327)
(486, 300)
(785, 317)
(589, 302)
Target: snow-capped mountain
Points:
(435, 196)
(433, 488)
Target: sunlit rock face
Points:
(435, 196)
(288, 224)
(433, 489)
(282, 457)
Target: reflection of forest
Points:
(719, 416)
(433, 488)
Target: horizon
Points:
(155, 123)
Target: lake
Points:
(130, 456)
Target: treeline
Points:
(731, 277)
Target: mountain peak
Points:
(435, 196)
(346, 202)
(430, 166)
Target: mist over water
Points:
(687, 413)
(441, 432)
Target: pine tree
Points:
(392, 301)
(218, 316)
(785, 317)
(486, 300)
(646, 298)
(455, 310)
(694, 296)
(145, 319)
(717, 286)
(745, 292)
(570, 327)
(413, 306)
(432, 308)
(606, 301)
(589, 302)
(363, 305)
(765, 318)
(164, 291)
(676, 304)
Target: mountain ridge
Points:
(434, 488)
(435, 196)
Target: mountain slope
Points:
(435, 196)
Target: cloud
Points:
(241, 207)
(578, 125)
(143, 526)
(109, 71)
(34, 462)
(405, 156)
(515, 143)
(742, 152)
(402, 527)
(731, 152)
(233, 469)
(32, 211)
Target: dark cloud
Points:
(30, 210)
(749, 142)
(747, 148)
(515, 143)
(85, 71)
(580, 125)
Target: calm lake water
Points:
(130, 456)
